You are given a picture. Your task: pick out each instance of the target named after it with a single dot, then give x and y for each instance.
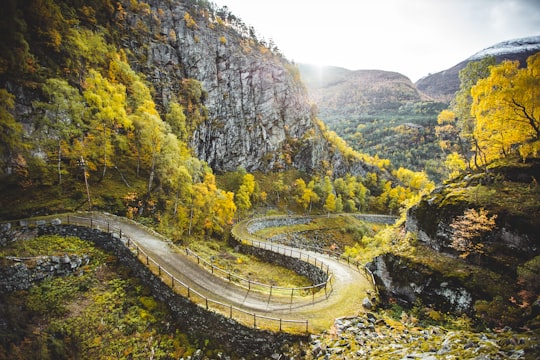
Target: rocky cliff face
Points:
(257, 107)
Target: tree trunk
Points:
(59, 164)
(122, 176)
(152, 173)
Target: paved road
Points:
(349, 285)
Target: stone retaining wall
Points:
(221, 331)
(21, 273)
(313, 273)
(259, 224)
(375, 218)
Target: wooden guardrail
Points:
(267, 288)
(253, 238)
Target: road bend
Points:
(349, 286)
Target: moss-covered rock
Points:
(509, 191)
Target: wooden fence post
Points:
(292, 292)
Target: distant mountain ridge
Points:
(359, 91)
(442, 85)
(377, 112)
(383, 113)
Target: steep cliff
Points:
(255, 101)
(254, 108)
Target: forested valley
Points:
(96, 116)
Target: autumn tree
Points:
(242, 197)
(352, 192)
(451, 142)
(447, 131)
(462, 102)
(172, 169)
(107, 103)
(62, 118)
(455, 129)
(279, 186)
(470, 229)
(455, 164)
(212, 208)
(176, 119)
(305, 196)
(331, 203)
(323, 187)
(506, 106)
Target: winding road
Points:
(349, 285)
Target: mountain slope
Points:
(444, 84)
(359, 92)
(250, 110)
(378, 112)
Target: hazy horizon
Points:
(414, 38)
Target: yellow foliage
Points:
(455, 163)
(446, 117)
(190, 22)
(506, 106)
(469, 230)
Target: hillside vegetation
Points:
(379, 113)
(480, 228)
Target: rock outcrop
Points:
(516, 232)
(400, 279)
(373, 337)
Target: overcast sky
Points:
(413, 37)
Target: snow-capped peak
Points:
(514, 46)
